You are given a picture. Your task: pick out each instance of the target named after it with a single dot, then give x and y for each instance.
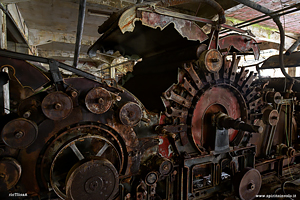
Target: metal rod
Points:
(76, 151)
(255, 22)
(21, 56)
(265, 17)
(255, 6)
(101, 151)
(293, 47)
(162, 11)
(80, 25)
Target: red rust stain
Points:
(126, 25)
(164, 147)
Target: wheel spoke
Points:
(76, 151)
(101, 151)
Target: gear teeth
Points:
(251, 94)
(181, 74)
(165, 102)
(208, 78)
(249, 81)
(173, 112)
(171, 95)
(234, 67)
(227, 64)
(175, 128)
(255, 104)
(188, 87)
(242, 77)
(189, 68)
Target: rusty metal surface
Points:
(247, 183)
(241, 43)
(185, 28)
(98, 100)
(78, 149)
(291, 60)
(30, 108)
(171, 150)
(23, 70)
(211, 60)
(57, 105)
(130, 114)
(19, 133)
(213, 101)
(271, 117)
(10, 173)
(93, 179)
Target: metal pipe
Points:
(81, 15)
(269, 12)
(255, 6)
(264, 18)
(293, 47)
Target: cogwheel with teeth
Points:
(199, 94)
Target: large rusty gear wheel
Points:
(79, 146)
(199, 94)
(93, 179)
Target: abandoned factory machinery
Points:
(187, 123)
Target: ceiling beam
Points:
(40, 37)
(12, 1)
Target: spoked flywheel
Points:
(205, 88)
(84, 162)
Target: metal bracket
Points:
(56, 75)
(221, 141)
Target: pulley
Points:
(151, 178)
(77, 151)
(130, 114)
(57, 105)
(271, 117)
(19, 133)
(211, 60)
(247, 183)
(10, 173)
(98, 100)
(93, 180)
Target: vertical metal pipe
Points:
(6, 95)
(80, 24)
